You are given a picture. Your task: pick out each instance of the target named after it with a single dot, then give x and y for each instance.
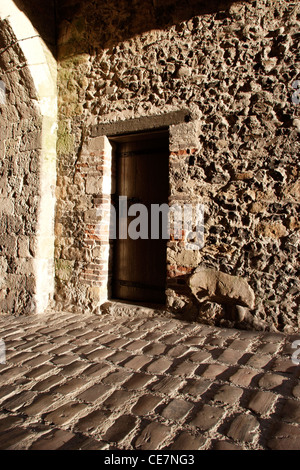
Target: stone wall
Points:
(233, 66)
(20, 146)
(28, 115)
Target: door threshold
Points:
(125, 307)
(140, 303)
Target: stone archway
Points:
(28, 165)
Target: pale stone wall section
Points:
(100, 293)
(96, 158)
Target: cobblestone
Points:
(152, 436)
(291, 412)
(54, 440)
(284, 437)
(207, 417)
(196, 387)
(261, 402)
(271, 381)
(186, 441)
(93, 421)
(228, 394)
(97, 382)
(117, 399)
(243, 428)
(177, 409)
(121, 428)
(65, 413)
(145, 404)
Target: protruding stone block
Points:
(215, 286)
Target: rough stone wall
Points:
(20, 144)
(233, 68)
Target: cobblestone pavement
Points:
(145, 382)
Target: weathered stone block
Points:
(243, 428)
(93, 185)
(23, 246)
(215, 286)
(6, 206)
(9, 243)
(152, 436)
(64, 269)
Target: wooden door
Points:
(142, 176)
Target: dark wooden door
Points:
(142, 176)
